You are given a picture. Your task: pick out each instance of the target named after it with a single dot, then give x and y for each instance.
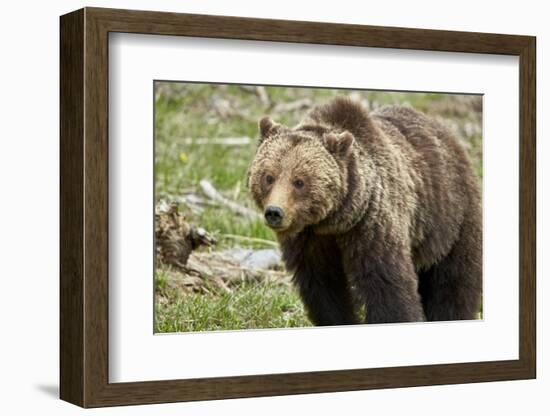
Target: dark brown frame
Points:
(84, 208)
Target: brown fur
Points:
(388, 217)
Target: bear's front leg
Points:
(320, 279)
(326, 296)
(387, 284)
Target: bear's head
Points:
(298, 177)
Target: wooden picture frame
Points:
(84, 207)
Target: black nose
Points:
(273, 215)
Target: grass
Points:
(248, 306)
(185, 111)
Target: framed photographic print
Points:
(255, 207)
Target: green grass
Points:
(248, 306)
(188, 111)
(225, 223)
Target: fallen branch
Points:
(196, 201)
(211, 192)
(249, 239)
(206, 271)
(293, 106)
(259, 91)
(263, 96)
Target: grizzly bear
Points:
(378, 214)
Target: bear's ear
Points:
(268, 128)
(338, 143)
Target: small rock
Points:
(259, 259)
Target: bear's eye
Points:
(298, 184)
(269, 179)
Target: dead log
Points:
(175, 238)
(207, 271)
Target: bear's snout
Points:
(274, 216)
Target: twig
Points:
(263, 96)
(260, 92)
(293, 106)
(196, 200)
(214, 195)
(250, 239)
